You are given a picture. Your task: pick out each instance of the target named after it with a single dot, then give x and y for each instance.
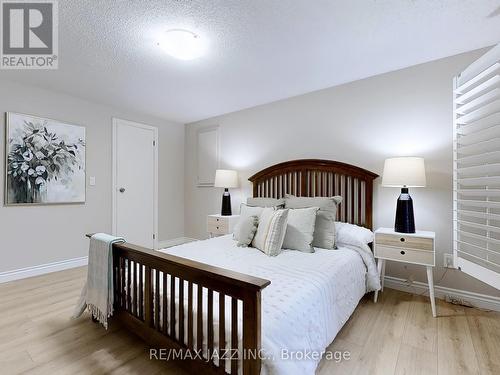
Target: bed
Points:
(226, 309)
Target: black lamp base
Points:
(405, 221)
(226, 203)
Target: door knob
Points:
(122, 190)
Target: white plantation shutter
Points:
(476, 174)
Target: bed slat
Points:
(222, 332)
(234, 335)
(172, 306)
(199, 319)
(164, 303)
(128, 300)
(181, 311)
(190, 314)
(123, 295)
(157, 299)
(141, 292)
(148, 298)
(134, 288)
(210, 323)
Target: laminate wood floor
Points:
(395, 336)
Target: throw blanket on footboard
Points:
(97, 293)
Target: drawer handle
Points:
(402, 239)
(403, 252)
(217, 219)
(217, 227)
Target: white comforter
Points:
(310, 298)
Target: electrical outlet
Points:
(448, 260)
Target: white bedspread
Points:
(310, 298)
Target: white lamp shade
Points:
(226, 178)
(405, 171)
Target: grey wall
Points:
(37, 235)
(407, 113)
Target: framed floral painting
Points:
(45, 161)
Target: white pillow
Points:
(300, 229)
(245, 213)
(350, 234)
(271, 231)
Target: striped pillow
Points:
(271, 231)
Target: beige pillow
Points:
(246, 231)
(324, 231)
(300, 229)
(245, 213)
(271, 231)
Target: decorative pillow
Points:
(271, 231)
(266, 202)
(351, 234)
(246, 230)
(324, 232)
(300, 229)
(245, 213)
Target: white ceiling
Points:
(260, 50)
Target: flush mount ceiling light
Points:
(183, 44)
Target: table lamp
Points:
(404, 172)
(226, 178)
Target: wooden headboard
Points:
(321, 178)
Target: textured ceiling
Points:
(260, 50)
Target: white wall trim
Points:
(482, 301)
(42, 269)
(174, 242)
(116, 122)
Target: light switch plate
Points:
(92, 181)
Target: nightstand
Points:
(218, 225)
(414, 248)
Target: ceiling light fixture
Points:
(183, 44)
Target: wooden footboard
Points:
(150, 302)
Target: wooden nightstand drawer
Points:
(404, 241)
(405, 255)
(217, 226)
(220, 225)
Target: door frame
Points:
(114, 188)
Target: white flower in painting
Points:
(27, 155)
(40, 155)
(31, 172)
(15, 165)
(41, 184)
(25, 167)
(40, 170)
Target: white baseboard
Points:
(482, 301)
(174, 242)
(42, 269)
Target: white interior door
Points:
(476, 174)
(135, 182)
